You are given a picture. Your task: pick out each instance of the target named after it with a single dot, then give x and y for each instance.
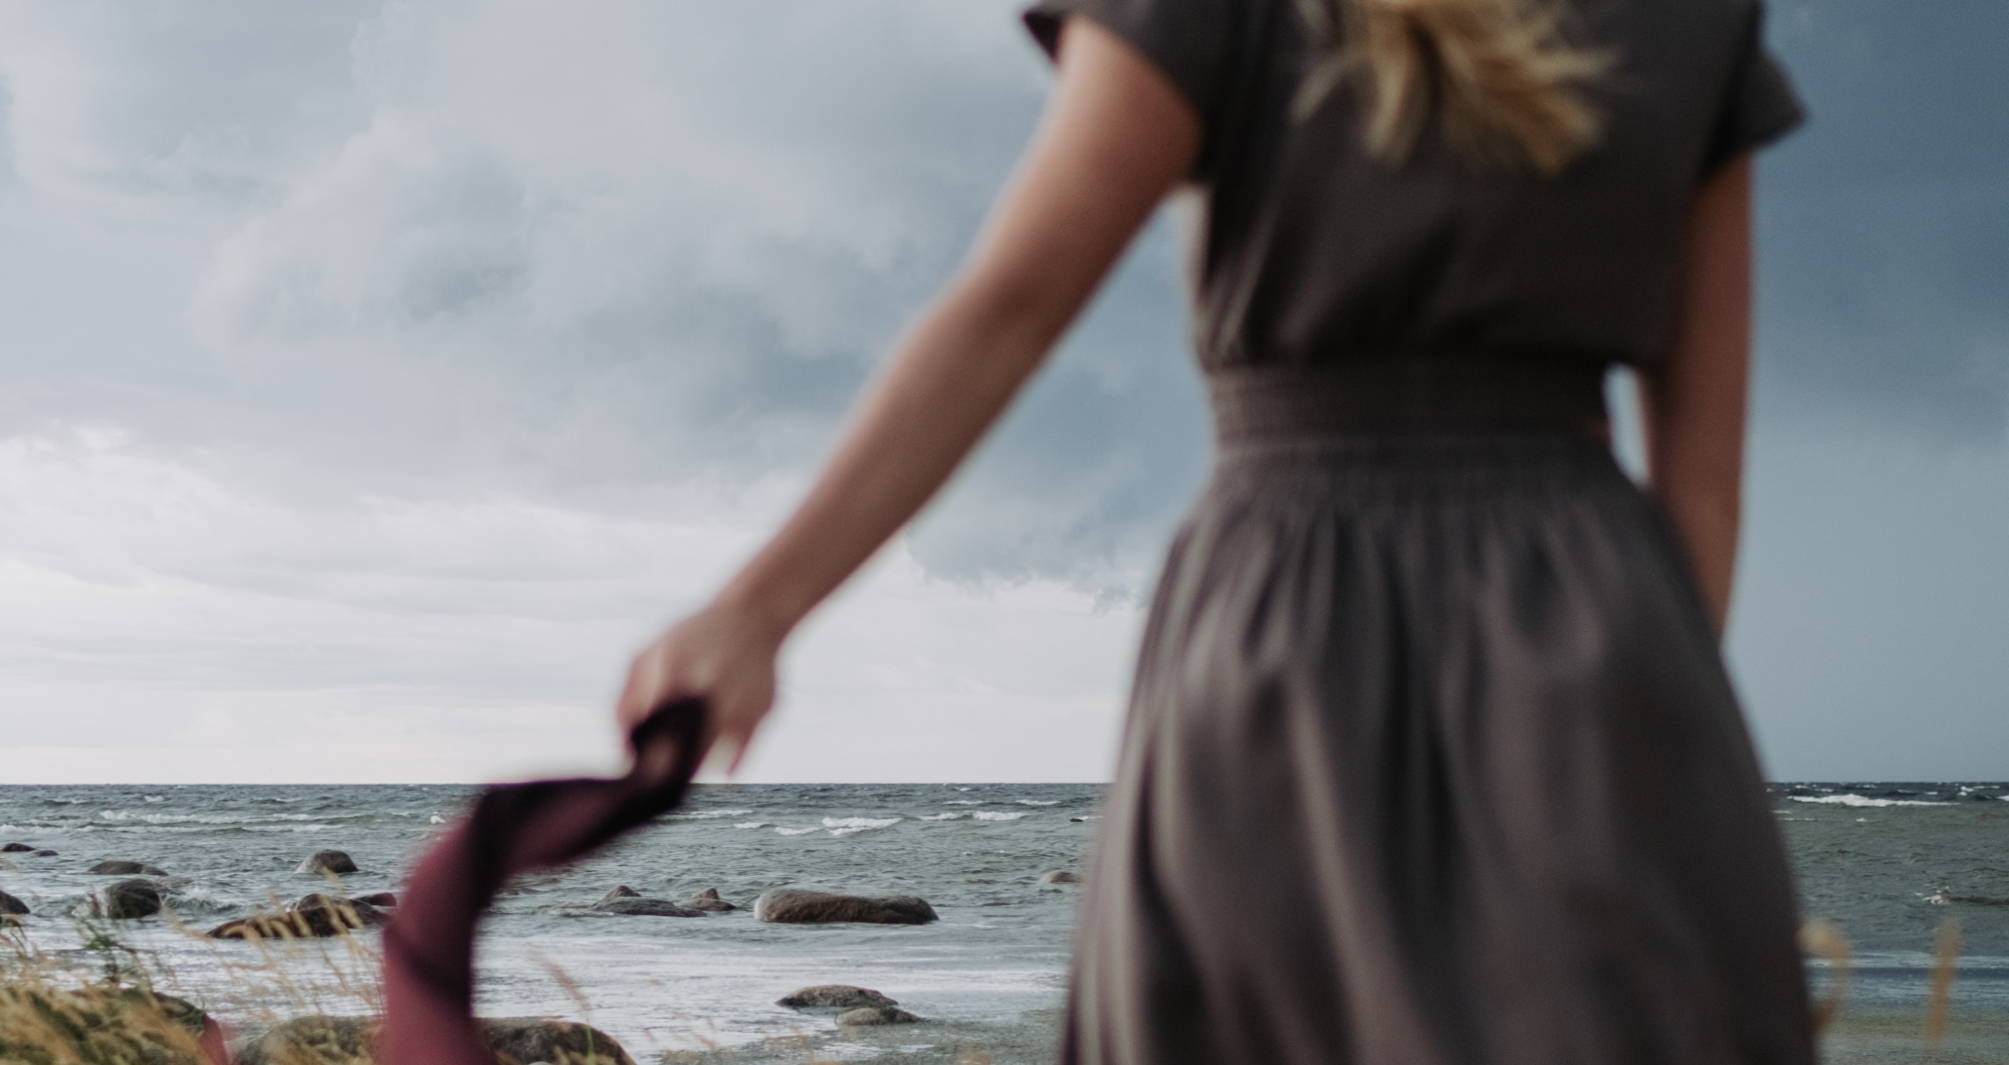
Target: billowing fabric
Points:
(1303, 249)
(511, 829)
(1431, 759)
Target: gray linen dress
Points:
(1431, 757)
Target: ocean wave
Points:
(754, 824)
(951, 815)
(999, 815)
(1037, 802)
(786, 831)
(154, 798)
(1852, 799)
(846, 826)
(707, 815)
(964, 802)
(118, 817)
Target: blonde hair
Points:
(1495, 77)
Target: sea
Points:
(1894, 867)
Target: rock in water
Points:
(876, 1015)
(312, 916)
(645, 908)
(834, 996)
(45, 854)
(131, 898)
(312, 1040)
(16, 848)
(126, 869)
(708, 900)
(381, 899)
(622, 892)
(328, 862)
(796, 906)
(10, 904)
(1060, 876)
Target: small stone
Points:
(129, 899)
(16, 848)
(622, 892)
(645, 908)
(876, 1015)
(116, 868)
(337, 862)
(708, 900)
(1060, 876)
(835, 996)
(796, 906)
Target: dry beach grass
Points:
(103, 1003)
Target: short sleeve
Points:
(1759, 104)
(1190, 41)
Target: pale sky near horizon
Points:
(375, 377)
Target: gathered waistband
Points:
(1406, 395)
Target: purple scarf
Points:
(513, 828)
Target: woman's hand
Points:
(726, 654)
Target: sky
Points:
(375, 378)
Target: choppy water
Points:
(1887, 862)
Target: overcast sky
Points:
(376, 377)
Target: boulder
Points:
(834, 996)
(328, 862)
(312, 916)
(16, 848)
(125, 869)
(708, 900)
(10, 904)
(876, 1015)
(130, 898)
(622, 892)
(645, 908)
(796, 906)
(343, 1040)
(45, 854)
(382, 899)
(1060, 876)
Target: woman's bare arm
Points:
(1694, 406)
(1115, 137)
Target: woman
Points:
(1430, 754)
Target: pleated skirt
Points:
(1431, 758)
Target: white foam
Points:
(707, 815)
(793, 831)
(1852, 799)
(951, 815)
(845, 826)
(753, 824)
(964, 802)
(999, 815)
(1038, 802)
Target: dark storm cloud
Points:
(1885, 221)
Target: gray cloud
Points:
(1885, 231)
(424, 312)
